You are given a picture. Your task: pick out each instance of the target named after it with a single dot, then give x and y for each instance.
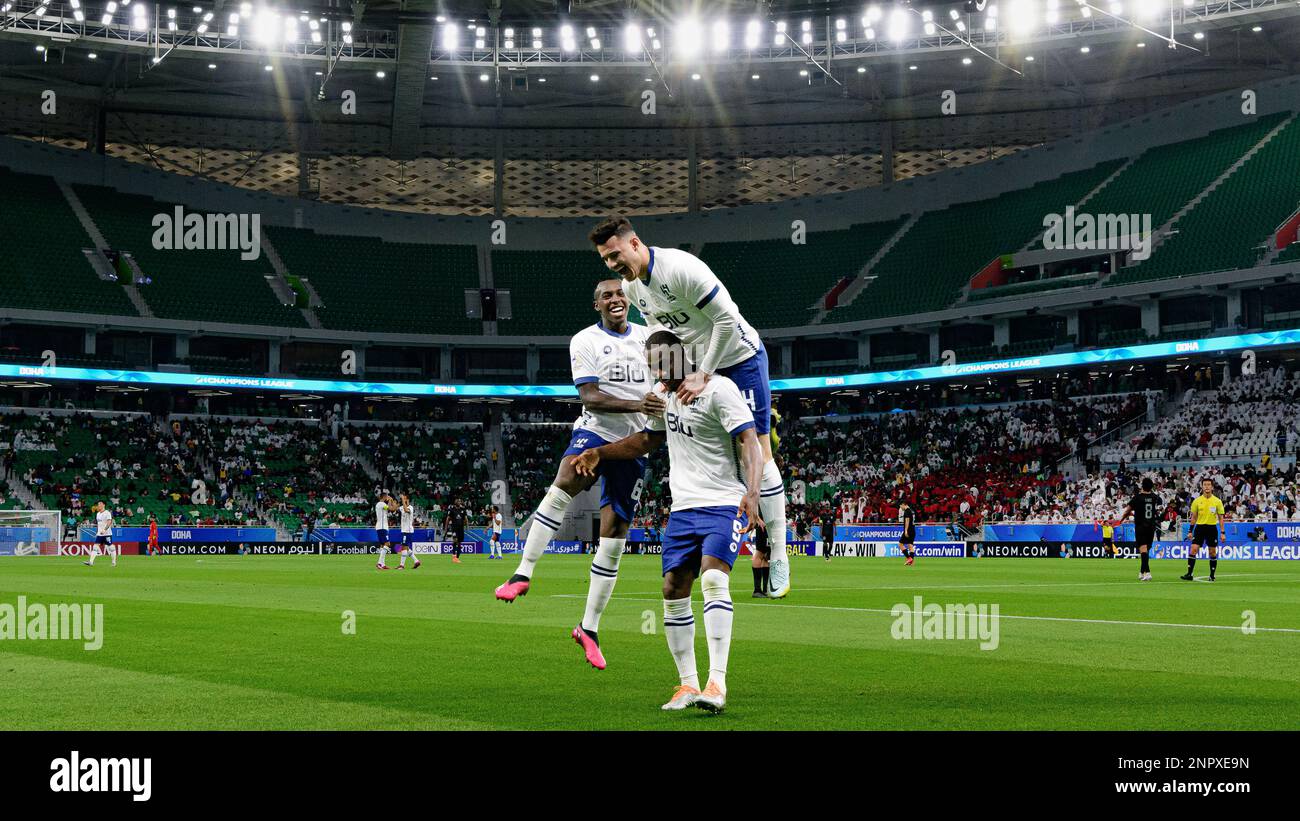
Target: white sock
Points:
(717, 622)
(112, 554)
(604, 574)
(383, 551)
(94, 551)
(402, 561)
(771, 506)
(679, 627)
(546, 521)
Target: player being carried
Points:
(1145, 509)
(407, 545)
(103, 535)
(677, 292)
(608, 364)
(712, 444)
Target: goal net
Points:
(30, 532)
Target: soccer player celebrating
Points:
(1207, 518)
(382, 507)
(608, 365)
(497, 522)
(677, 292)
(1145, 509)
(907, 539)
(407, 510)
(712, 509)
(103, 535)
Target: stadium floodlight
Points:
(566, 38)
(381, 75)
(899, 24)
(537, 42)
(961, 26)
(171, 14)
(450, 38)
(510, 42)
(315, 36)
(480, 43)
(688, 37)
(806, 36)
(632, 38)
(871, 34)
(290, 29)
(991, 17)
(779, 37)
(1116, 8)
(1022, 16)
(595, 78)
(1053, 14)
(841, 36)
(874, 14)
(78, 15)
(92, 56)
(952, 13)
(927, 17)
(1147, 10)
(721, 35)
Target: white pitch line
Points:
(999, 616)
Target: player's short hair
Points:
(595, 294)
(608, 227)
(662, 337)
(1147, 484)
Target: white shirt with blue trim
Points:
(381, 515)
(683, 295)
(704, 456)
(617, 364)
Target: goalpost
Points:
(30, 532)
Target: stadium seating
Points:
(778, 284)
(532, 453)
(212, 285)
(562, 281)
(43, 267)
(428, 464)
(368, 284)
(935, 259)
(1231, 226)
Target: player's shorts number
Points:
(735, 535)
(637, 489)
(749, 399)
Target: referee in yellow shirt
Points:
(1207, 525)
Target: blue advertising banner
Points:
(475, 535)
(1074, 532)
(179, 533)
(1258, 531)
(1153, 350)
(1264, 551)
(888, 533)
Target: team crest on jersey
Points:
(642, 301)
(608, 349)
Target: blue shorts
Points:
(621, 480)
(702, 531)
(103, 540)
(382, 536)
(751, 377)
(407, 539)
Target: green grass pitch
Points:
(257, 643)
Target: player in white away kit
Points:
(495, 545)
(676, 291)
(103, 535)
(407, 511)
(382, 507)
(608, 364)
(709, 439)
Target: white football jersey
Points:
(104, 523)
(381, 516)
(704, 458)
(496, 523)
(617, 365)
(679, 293)
(408, 518)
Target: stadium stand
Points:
(43, 267)
(212, 285)
(421, 288)
(560, 280)
(800, 274)
(1231, 226)
(935, 259)
(428, 464)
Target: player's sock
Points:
(401, 562)
(1214, 562)
(112, 554)
(546, 521)
(771, 506)
(717, 622)
(94, 551)
(604, 573)
(758, 579)
(679, 627)
(383, 551)
(1191, 565)
(767, 580)
(1146, 564)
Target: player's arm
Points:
(751, 456)
(704, 289)
(630, 447)
(1128, 511)
(596, 400)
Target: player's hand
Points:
(585, 463)
(692, 386)
(652, 404)
(749, 507)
